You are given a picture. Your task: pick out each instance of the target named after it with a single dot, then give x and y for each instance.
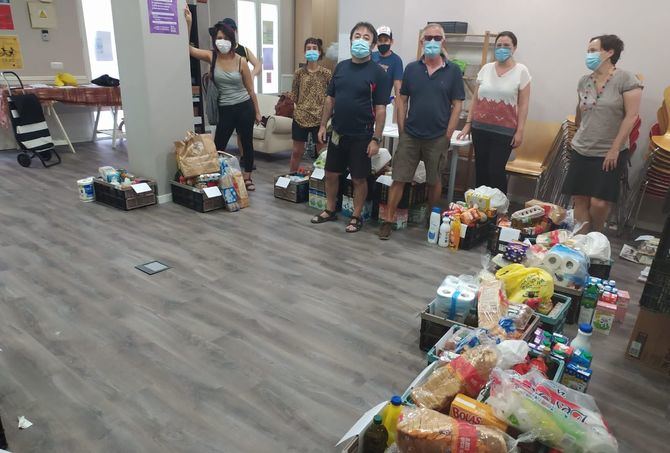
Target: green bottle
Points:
(375, 437)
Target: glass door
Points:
(258, 29)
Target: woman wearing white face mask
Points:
(498, 113)
(608, 106)
(238, 105)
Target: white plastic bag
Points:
(559, 417)
(420, 173)
(498, 199)
(511, 352)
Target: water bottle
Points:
(434, 229)
(445, 228)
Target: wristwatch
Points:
(377, 139)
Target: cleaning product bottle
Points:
(443, 241)
(434, 229)
(375, 437)
(588, 304)
(390, 416)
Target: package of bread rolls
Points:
(466, 374)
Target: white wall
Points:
(553, 36)
(67, 45)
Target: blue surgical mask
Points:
(312, 55)
(503, 54)
(360, 48)
(431, 48)
(593, 60)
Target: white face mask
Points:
(223, 45)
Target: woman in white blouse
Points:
(498, 113)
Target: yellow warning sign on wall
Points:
(42, 15)
(10, 53)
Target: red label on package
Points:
(465, 440)
(468, 375)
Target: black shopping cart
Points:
(30, 127)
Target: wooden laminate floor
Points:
(268, 333)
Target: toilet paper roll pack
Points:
(569, 267)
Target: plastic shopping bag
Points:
(526, 283)
(554, 414)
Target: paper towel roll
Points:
(569, 266)
(471, 287)
(552, 261)
(451, 281)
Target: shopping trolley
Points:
(30, 127)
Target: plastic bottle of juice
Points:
(588, 305)
(375, 437)
(390, 416)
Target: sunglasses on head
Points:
(437, 38)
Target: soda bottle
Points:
(390, 416)
(375, 437)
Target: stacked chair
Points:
(655, 180)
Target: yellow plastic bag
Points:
(523, 283)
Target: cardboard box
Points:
(650, 341)
(603, 319)
(622, 306)
(472, 411)
(401, 216)
(348, 209)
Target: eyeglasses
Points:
(437, 38)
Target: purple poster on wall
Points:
(163, 17)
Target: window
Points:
(258, 30)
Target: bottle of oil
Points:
(375, 437)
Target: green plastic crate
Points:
(556, 322)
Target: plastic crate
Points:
(296, 192)
(413, 194)
(478, 234)
(454, 27)
(495, 245)
(431, 356)
(195, 198)
(317, 185)
(600, 269)
(556, 368)
(554, 321)
(123, 198)
(433, 327)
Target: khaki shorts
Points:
(411, 150)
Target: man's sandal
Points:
(355, 225)
(329, 217)
(249, 184)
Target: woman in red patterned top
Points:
(498, 113)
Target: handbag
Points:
(211, 92)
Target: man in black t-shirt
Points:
(357, 97)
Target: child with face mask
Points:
(308, 94)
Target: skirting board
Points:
(167, 198)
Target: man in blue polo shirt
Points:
(434, 88)
(387, 59)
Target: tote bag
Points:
(211, 92)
